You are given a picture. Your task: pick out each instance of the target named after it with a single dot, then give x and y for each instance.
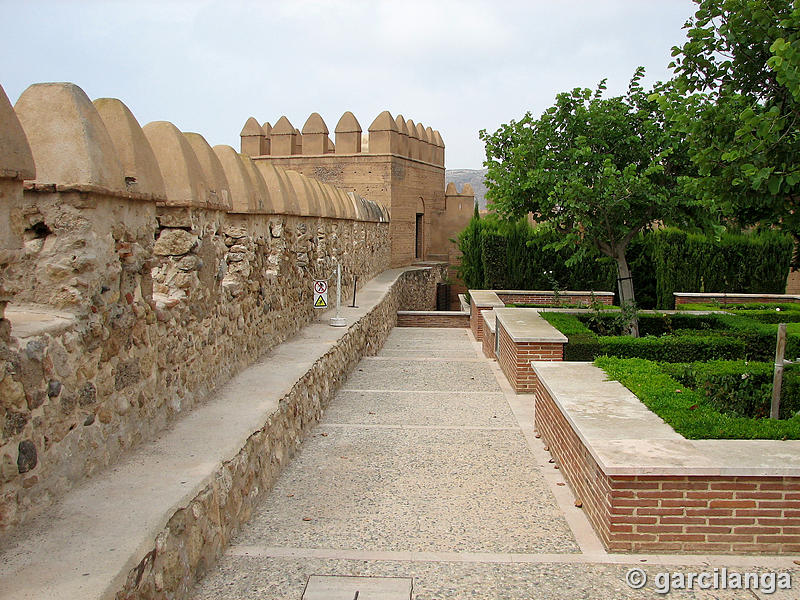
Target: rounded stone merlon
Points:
(467, 190)
(285, 139)
(183, 175)
(267, 128)
(383, 122)
(263, 199)
(283, 127)
(243, 193)
(283, 198)
(306, 198)
(68, 139)
(357, 210)
(438, 150)
(348, 135)
(345, 207)
(315, 136)
(315, 124)
(402, 128)
(384, 138)
(421, 133)
(348, 124)
(365, 209)
(412, 129)
(16, 158)
(139, 164)
(373, 210)
(413, 143)
(427, 146)
(451, 189)
(251, 127)
(350, 208)
(254, 140)
(219, 193)
(329, 202)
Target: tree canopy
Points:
(599, 169)
(736, 99)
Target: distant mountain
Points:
(475, 177)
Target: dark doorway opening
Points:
(418, 242)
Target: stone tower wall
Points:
(140, 269)
(397, 163)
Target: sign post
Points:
(320, 293)
(338, 321)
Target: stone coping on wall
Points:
(462, 300)
(626, 438)
(485, 298)
(28, 320)
(489, 321)
(551, 292)
(732, 298)
(86, 545)
(527, 325)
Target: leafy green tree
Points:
(736, 98)
(600, 170)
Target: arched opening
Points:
(419, 234)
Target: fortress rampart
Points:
(139, 269)
(396, 163)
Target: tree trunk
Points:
(627, 299)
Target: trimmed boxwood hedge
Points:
(676, 338)
(739, 387)
(746, 306)
(689, 412)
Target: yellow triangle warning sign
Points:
(320, 303)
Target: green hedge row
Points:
(514, 255)
(739, 388)
(676, 338)
(690, 412)
(750, 264)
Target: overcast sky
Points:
(456, 65)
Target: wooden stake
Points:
(777, 379)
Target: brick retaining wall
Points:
(448, 318)
(723, 299)
(673, 513)
(547, 297)
(515, 359)
(488, 342)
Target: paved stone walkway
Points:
(426, 466)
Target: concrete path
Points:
(426, 466)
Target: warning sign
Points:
(321, 294)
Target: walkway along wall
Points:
(141, 269)
(396, 163)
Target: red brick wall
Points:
(476, 319)
(428, 319)
(657, 513)
(733, 299)
(547, 298)
(515, 359)
(488, 343)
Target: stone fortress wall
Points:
(396, 163)
(139, 269)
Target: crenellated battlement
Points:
(385, 135)
(79, 144)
